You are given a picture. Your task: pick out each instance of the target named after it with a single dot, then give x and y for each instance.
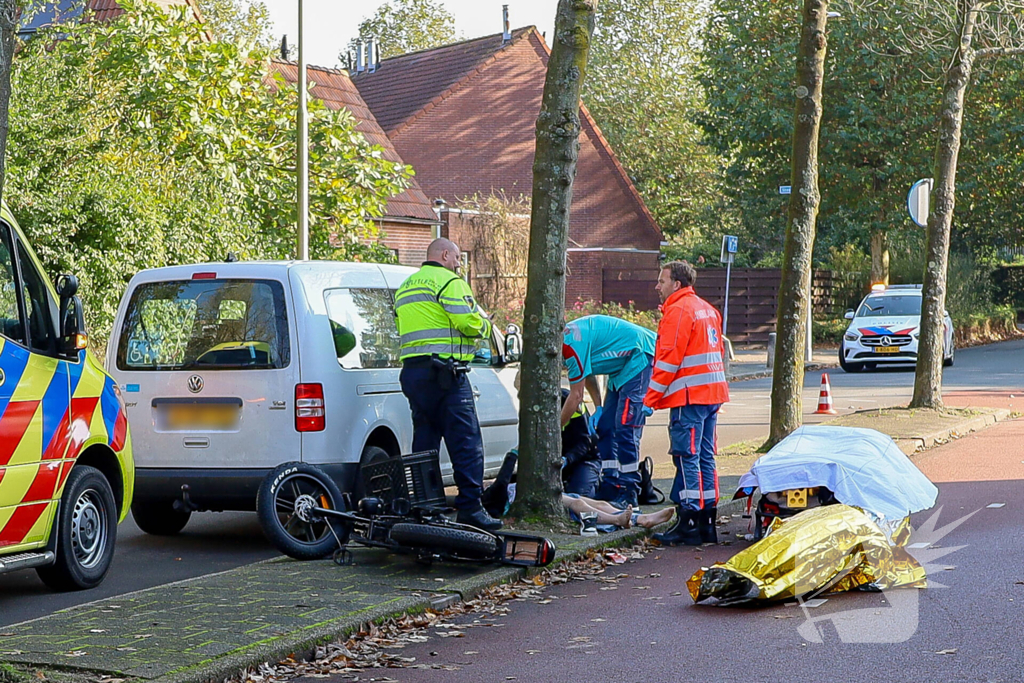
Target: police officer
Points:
(689, 379)
(439, 324)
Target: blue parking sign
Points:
(731, 244)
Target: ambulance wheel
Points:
(86, 530)
(158, 517)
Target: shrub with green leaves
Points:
(140, 143)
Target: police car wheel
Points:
(86, 530)
(158, 517)
(848, 367)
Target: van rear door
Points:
(208, 373)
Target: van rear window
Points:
(205, 324)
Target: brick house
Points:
(409, 222)
(464, 115)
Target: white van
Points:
(230, 369)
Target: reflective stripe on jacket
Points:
(438, 315)
(688, 359)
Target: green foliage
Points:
(138, 143)
(629, 313)
(703, 250)
(642, 90)
(238, 21)
(401, 26)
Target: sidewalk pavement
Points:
(211, 627)
(751, 363)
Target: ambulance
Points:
(66, 468)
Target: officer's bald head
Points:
(445, 252)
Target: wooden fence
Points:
(754, 292)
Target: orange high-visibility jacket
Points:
(688, 358)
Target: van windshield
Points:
(205, 324)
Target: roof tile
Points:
(335, 89)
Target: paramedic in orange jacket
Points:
(689, 379)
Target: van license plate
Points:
(200, 416)
(887, 349)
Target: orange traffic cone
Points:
(825, 398)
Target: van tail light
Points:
(309, 408)
(204, 276)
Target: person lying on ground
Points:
(609, 514)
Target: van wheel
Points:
(86, 531)
(371, 454)
(158, 517)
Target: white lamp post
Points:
(302, 162)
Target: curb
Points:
(303, 644)
(912, 445)
(761, 374)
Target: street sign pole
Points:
(303, 154)
(809, 342)
(730, 245)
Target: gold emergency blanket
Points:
(823, 550)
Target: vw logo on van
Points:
(195, 384)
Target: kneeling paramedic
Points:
(603, 345)
(439, 325)
(689, 378)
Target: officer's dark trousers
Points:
(450, 415)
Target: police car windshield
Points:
(207, 324)
(881, 306)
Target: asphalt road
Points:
(996, 366)
(214, 542)
(963, 627)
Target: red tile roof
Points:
(464, 116)
(109, 9)
(336, 90)
(403, 86)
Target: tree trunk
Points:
(928, 380)
(554, 168)
(8, 31)
(794, 292)
(879, 257)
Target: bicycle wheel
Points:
(283, 505)
(462, 543)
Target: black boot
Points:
(684, 532)
(706, 525)
(478, 518)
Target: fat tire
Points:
(67, 573)
(274, 529)
(158, 517)
(472, 545)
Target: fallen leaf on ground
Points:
(950, 651)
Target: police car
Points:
(66, 469)
(885, 329)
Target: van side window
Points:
(10, 316)
(363, 327)
(39, 306)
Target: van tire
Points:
(86, 529)
(277, 492)
(158, 517)
(371, 454)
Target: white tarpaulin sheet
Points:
(862, 467)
